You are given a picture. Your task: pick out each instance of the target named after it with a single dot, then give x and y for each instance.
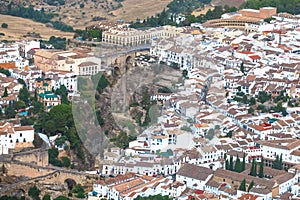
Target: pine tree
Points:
(250, 185)
(261, 169)
(243, 186)
(244, 162)
(231, 163)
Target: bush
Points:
(4, 25)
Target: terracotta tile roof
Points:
(288, 144)
(9, 65)
(196, 172)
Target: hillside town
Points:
(229, 130)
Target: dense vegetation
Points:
(290, 6)
(35, 15)
(11, 198)
(167, 17)
(60, 120)
(5, 71)
(185, 6)
(56, 42)
(237, 166)
(53, 159)
(89, 34)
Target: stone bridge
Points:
(40, 176)
(120, 57)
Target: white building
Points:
(193, 176)
(12, 137)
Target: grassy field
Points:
(235, 3)
(19, 27)
(133, 9)
(80, 13)
(202, 11)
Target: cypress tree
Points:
(225, 156)
(244, 162)
(238, 165)
(261, 169)
(250, 185)
(280, 162)
(277, 163)
(5, 94)
(243, 186)
(227, 165)
(253, 168)
(231, 163)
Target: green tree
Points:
(253, 171)
(229, 134)
(21, 81)
(250, 186)
(277, 163)
(63, 92)
(242, 68)
(242, 187)
(244, 162)
(46, 197)
(231, 166)
(34, 193)
(263, 96)
(261, 169)
(5, 94)
(24, 95)
(250, 110)
(100, 81)
(20, 104)
(227, 165)
(78, 190)
(238, 165)
(4, 71)
(184, 73)
(252, 101)
(38, 107)
(61, 198)
(62, 117)
(10, 112)
(66, 162)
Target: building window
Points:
(17, 140)
(20, 134)
(24, 140)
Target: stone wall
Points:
(37, 156)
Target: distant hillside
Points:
(290, 6)
(235, 3)
(82, 13)
(17, 30)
